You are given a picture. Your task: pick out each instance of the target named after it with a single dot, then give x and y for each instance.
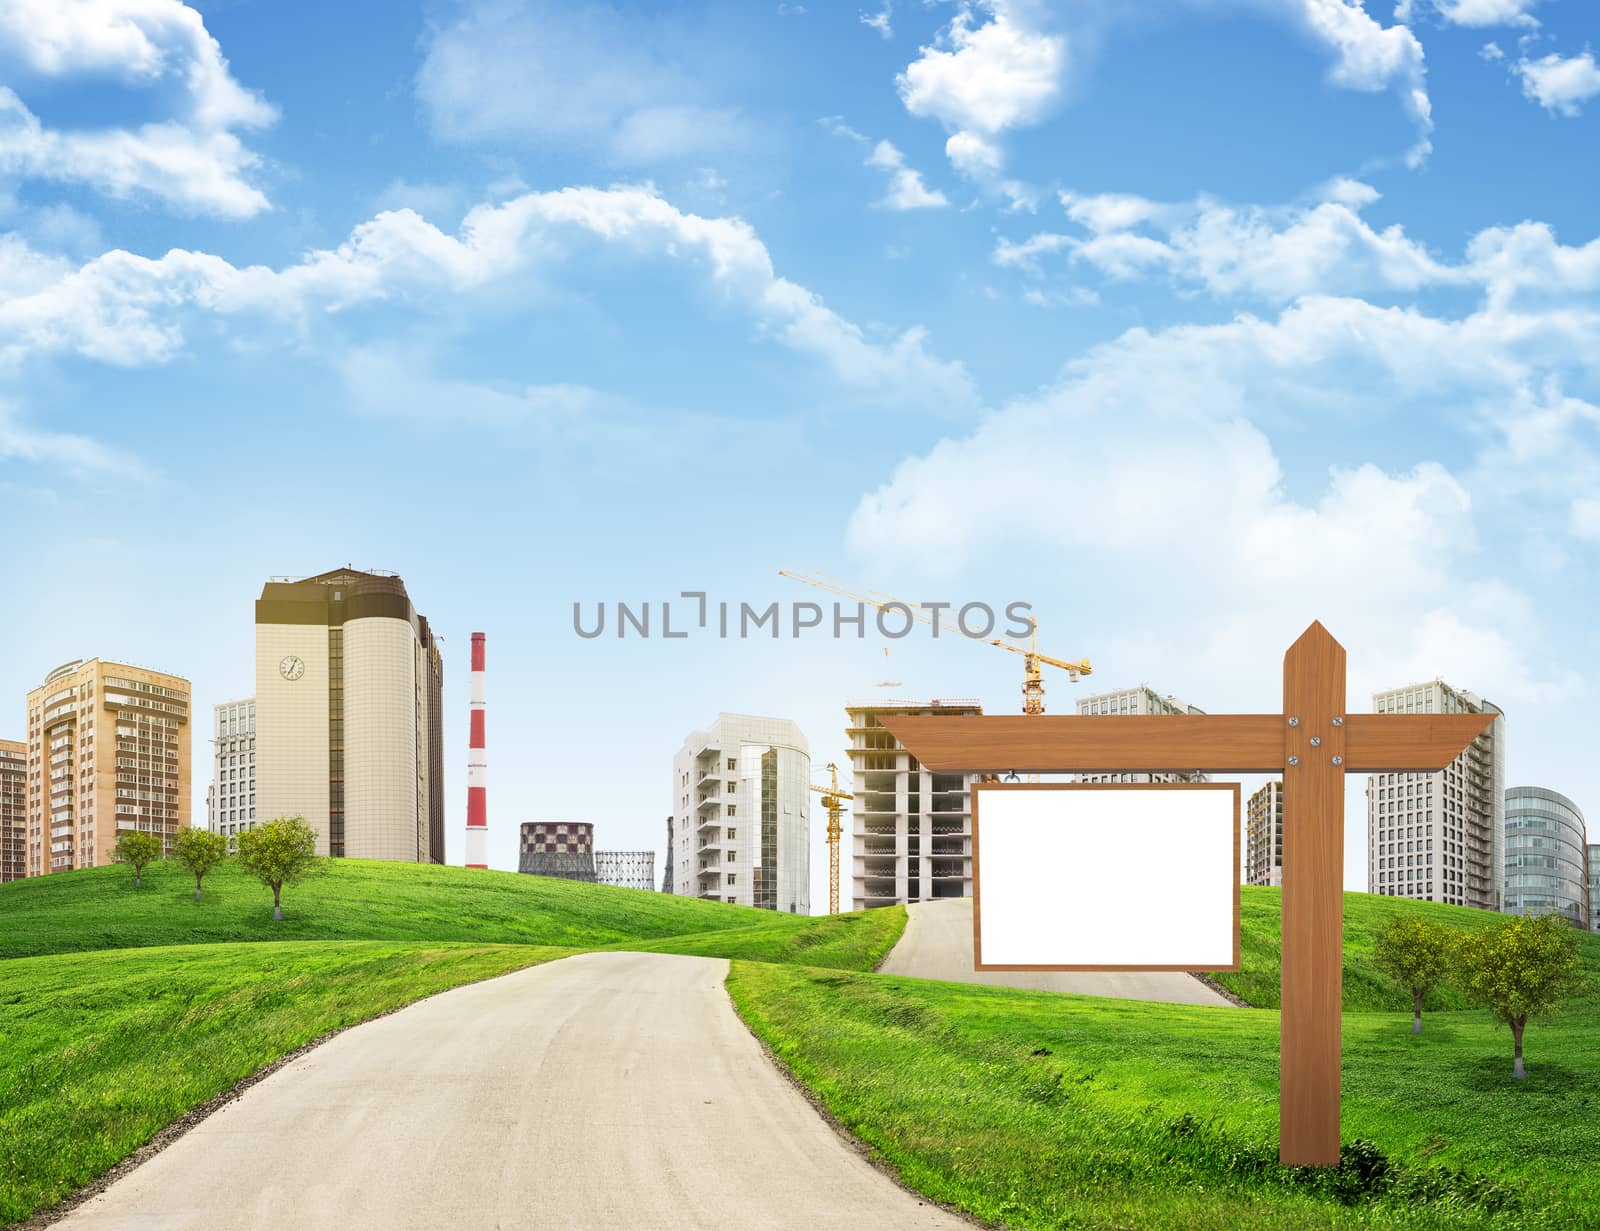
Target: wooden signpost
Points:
(1313, 743)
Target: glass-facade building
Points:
(1594, 887)
(1546, 855)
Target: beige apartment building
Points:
(1264, 836)
(108, 750)
(349, 715)
(911, 828)
(13, 809)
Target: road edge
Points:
(189, 1119)
(872, 1156)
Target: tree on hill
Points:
(1417, 953)
(278, 853)
(137, 849)
(1519, 969)
(199, 850)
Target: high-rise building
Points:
(1142, 700)
(13, 809)
(108, 750)
(231, 801)
(349, 717)
(1593, 852)
(1264, 832)
(911, 828)
(626, 869)
(1546, 855)
(741, 795)
(1440, 837)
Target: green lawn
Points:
(1036, 1110)
(355, 899)
(99, 1051)
(1365, 986)
(841, 942)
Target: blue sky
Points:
(1187, 325)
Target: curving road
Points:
(937, 944)
(604, 1090)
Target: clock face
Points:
(292, 668)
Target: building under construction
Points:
(558, 848)
(912, 829)
(626, 869)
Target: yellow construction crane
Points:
(833, 800)
(1033, 660)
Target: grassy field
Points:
(1035, 1110)
(357, 899)
(1365, 986)
(1026, 1109)
(102, 1045)
(99, 1051)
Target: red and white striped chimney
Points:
(477, 767)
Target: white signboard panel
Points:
(1070, 876)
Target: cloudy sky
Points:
(1187, 326)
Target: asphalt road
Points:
(937, 944)
(605, 1090)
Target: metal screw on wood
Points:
(1294, 722)
(1338, 722)
(1316, 741)
(1338, 760)
(1294, 760)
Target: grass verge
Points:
(1035, 1110)
(101, 1051)
(838, 942)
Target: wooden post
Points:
(1313, 899)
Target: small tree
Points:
(278, 853)
(1520, 968)
(199, 850)
(1418, 954)
(137, 849)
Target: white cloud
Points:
(881, 20)
(1278, 254)
(1374, 57)
(1586, 518)
(1473, 12)
(906, 189)
(579, 76)
(193, 161)
(1491, 52)
(974, 157)
(1561, 85)
(77, 455)
(397, 382)
(127, 309)
(1159, 448)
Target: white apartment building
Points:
(911, 829)
(1142, 700)
(231, 801)
(740, 829)
(1440, 837)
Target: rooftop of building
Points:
(938, 703)
(77, 665)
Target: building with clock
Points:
(349, 720)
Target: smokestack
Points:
(477, 767)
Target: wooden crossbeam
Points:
(1205, 743)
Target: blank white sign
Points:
(1106, 877)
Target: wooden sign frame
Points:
(989, 788)
(1313, 743)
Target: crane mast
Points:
(833, 800)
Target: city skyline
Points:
(792, 299)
